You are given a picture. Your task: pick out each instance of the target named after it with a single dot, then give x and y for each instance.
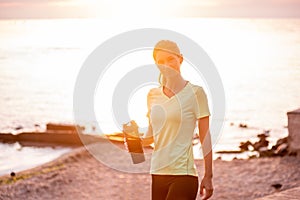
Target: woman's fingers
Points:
(208, 194)
(206, 188)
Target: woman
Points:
(173, 110)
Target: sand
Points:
(78, 175)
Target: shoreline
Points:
(41, 139)
(78, 174)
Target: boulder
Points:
(244, 146)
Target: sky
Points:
(22, 9)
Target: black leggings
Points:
(174, 187)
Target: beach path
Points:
(78, 175)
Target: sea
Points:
(257, 60)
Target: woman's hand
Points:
(132, 129)
(206, 184)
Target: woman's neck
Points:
(175, 83)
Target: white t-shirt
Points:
(173, 120)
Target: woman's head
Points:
(166, 45)
(167, 57)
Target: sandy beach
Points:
(78, 175)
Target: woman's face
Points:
(168, 63)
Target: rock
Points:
(276, 186)
(282, 149)
(252, 156)
(263, 149)
(292, 153)
(261, 143)
(18, 127)
(265, 152)
(241, 125)
(12, 174)
(280, 142)
(244, 146)
(263, 135)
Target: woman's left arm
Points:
(205, 139)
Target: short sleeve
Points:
(201, 105)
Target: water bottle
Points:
(134, 143)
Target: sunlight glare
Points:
(131, 9)
(137, 105)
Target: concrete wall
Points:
(294, 130)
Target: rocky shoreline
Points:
(72, 135)
(262, 149)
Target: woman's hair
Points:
(168, 46)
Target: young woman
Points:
(174, 109)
